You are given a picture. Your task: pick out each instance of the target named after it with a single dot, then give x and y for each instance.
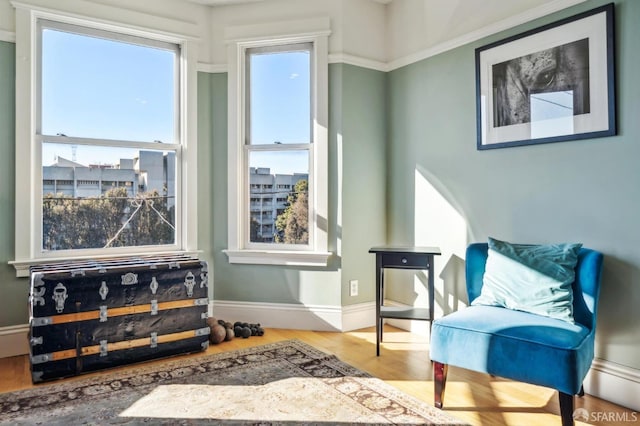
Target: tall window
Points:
(278, 167)
(105, 128)
(108, 137)
(279, 134)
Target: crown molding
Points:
(8, 36)
(345, 58)
(312, 27)
(505, 24)
(211, 68)
(334, 58)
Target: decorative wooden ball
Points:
(246, 332)
(211, 321)
(230, 334)
(218, 334)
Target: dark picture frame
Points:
(551, 84)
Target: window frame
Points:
(269, 36)
(29, 140)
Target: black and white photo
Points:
(548, 85)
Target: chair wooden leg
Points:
(566, 408)
(439, 382)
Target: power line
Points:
(139, 202)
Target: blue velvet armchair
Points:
(519, 345)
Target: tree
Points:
(254, 231)
(112, 220)
(293, 223)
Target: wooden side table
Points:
(402, 257)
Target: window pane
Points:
(96, 197)
(278, 197)
(280, 97)
(106, 89)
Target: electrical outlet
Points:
(353, 288)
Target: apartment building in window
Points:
(268, 196)
(151, 170)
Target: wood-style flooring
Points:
(404, 363)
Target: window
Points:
(103, 139)
(107, 106)
(278, 147)
(278, 136)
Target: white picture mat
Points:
(594, 28)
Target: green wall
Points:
(14, 292)
(586, 191)
(357, 136)
(358, 145)
(208, 120)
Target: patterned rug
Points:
(287, 382)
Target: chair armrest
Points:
(476, 260)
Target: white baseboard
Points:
(361, 315)
(14, 340)
(614, 382)
(298, 317)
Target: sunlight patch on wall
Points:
(438, 223)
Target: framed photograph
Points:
(551, 84)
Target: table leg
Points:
(431, 292)
(379, 296)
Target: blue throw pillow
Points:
(530, 278)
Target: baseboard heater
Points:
(91, 315)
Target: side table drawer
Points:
(405, 260)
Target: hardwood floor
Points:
(404, 363)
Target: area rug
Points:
(286, 382)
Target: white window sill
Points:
(278, 257)
(22, 266)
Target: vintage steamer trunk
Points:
(86, 316)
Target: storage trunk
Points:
(86, 316)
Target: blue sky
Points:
(98, 88)
(280, 107)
